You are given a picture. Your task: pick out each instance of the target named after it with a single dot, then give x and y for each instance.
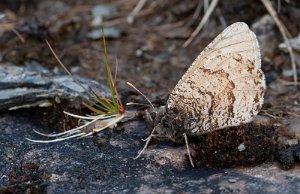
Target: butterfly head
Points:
(164, 124)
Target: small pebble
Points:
(232, 180)
(139, 53)
(113, 32)
(285, 158)
(104, 11)
(241, 147)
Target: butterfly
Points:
(223, 87)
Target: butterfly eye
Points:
(165, 121)
(153, 115)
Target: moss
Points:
(26, 178)
(244, 145)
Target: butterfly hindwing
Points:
(224, 86)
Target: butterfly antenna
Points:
(131, 85)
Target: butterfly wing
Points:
(223, 87)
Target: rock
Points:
(82, 165)
(113, 32)
(264, 29)
(241, 147)
(286, 159)
(287, 72)
(100, 13)
(296, 151)
(168, 156)
(295, 44)
(261, 119)
(33, 28)
(177, 33)
(33, 85)
(292, 127)
(162, 57)
(104, 11)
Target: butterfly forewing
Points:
(224, 86)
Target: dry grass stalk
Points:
(135, 11)
(202, 22)
(283, 32)
(107, 112)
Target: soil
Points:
(149, 53)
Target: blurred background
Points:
(146, 37)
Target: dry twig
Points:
(283, 32)
(202, 22)
(135, 11)
(196, 13)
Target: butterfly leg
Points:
(146, 144)
(188, 149)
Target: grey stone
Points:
(295, 44)
(264, 28)
(101, 13)
(33, 85)
(104, 11)
(113, 32)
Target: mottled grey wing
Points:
(224, 86)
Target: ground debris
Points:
(26, 178)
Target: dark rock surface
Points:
(90, 166)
